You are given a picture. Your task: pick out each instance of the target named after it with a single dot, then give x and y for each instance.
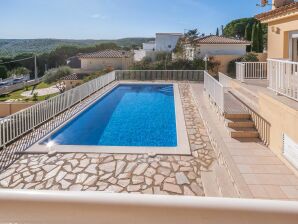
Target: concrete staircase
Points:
(239, 123)
(241, 126)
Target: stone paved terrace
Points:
(230, 169)
(179, 175)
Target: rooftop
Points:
(213, 39)
(107, 54)
(284, 10)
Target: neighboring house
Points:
(216, 45)
(115, 59)
(164, 42)
(73, 80)
(150, 46)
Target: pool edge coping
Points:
(182, 148)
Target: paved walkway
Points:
(41, 92)
(177, 175)
(257, 172)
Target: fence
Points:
(224, 80)
(21, 85)
(151, 75)
(215, 90)
(29, 206)
(16, 125)
(283, 77)
(251, 70)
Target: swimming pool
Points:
(129, 118)
(130, 115)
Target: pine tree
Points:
(261, 38)
(255, 38)
(222, 30)
(217, 31)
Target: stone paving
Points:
(179, 175)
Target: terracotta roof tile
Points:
(212, 39)
(277, 12)
(74, 76)
(107, 54)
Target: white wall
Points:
(218, 49)
(149, 46)
(163, 41)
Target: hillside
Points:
(12, 47)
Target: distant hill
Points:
(12, 47)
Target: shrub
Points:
(55, 74)
(19, 71)
(35, 96)
(249, 57)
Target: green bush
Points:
(249, 57)
(19, 71)
(55, 74)
(35, 97)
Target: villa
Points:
(161, 146)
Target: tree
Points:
(247, 35)
(191, 35)
(236, 28)
(222, 30)
(255, 38)
(3, 72)
(261, 38)
(19, 71)
(217, 31)
(55, 74)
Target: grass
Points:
(17, 94)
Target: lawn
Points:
(17, 94)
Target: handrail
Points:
(224, 80)
(215, 91)
(92, 207)
(15, 125)
(251, 70)
(283, 77)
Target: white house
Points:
(164, 42)
(149, 46)
(216, 45)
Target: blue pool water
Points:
(130, 115)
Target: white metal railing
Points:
(27, 206)
(283, 77)
(17, 86)
(215, 90)
(224, 80)
(17, 124)
(251, 70)
(143, 75)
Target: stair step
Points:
(240, 123)
(237, 116)
(244, 132)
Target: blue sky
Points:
(111, 19)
